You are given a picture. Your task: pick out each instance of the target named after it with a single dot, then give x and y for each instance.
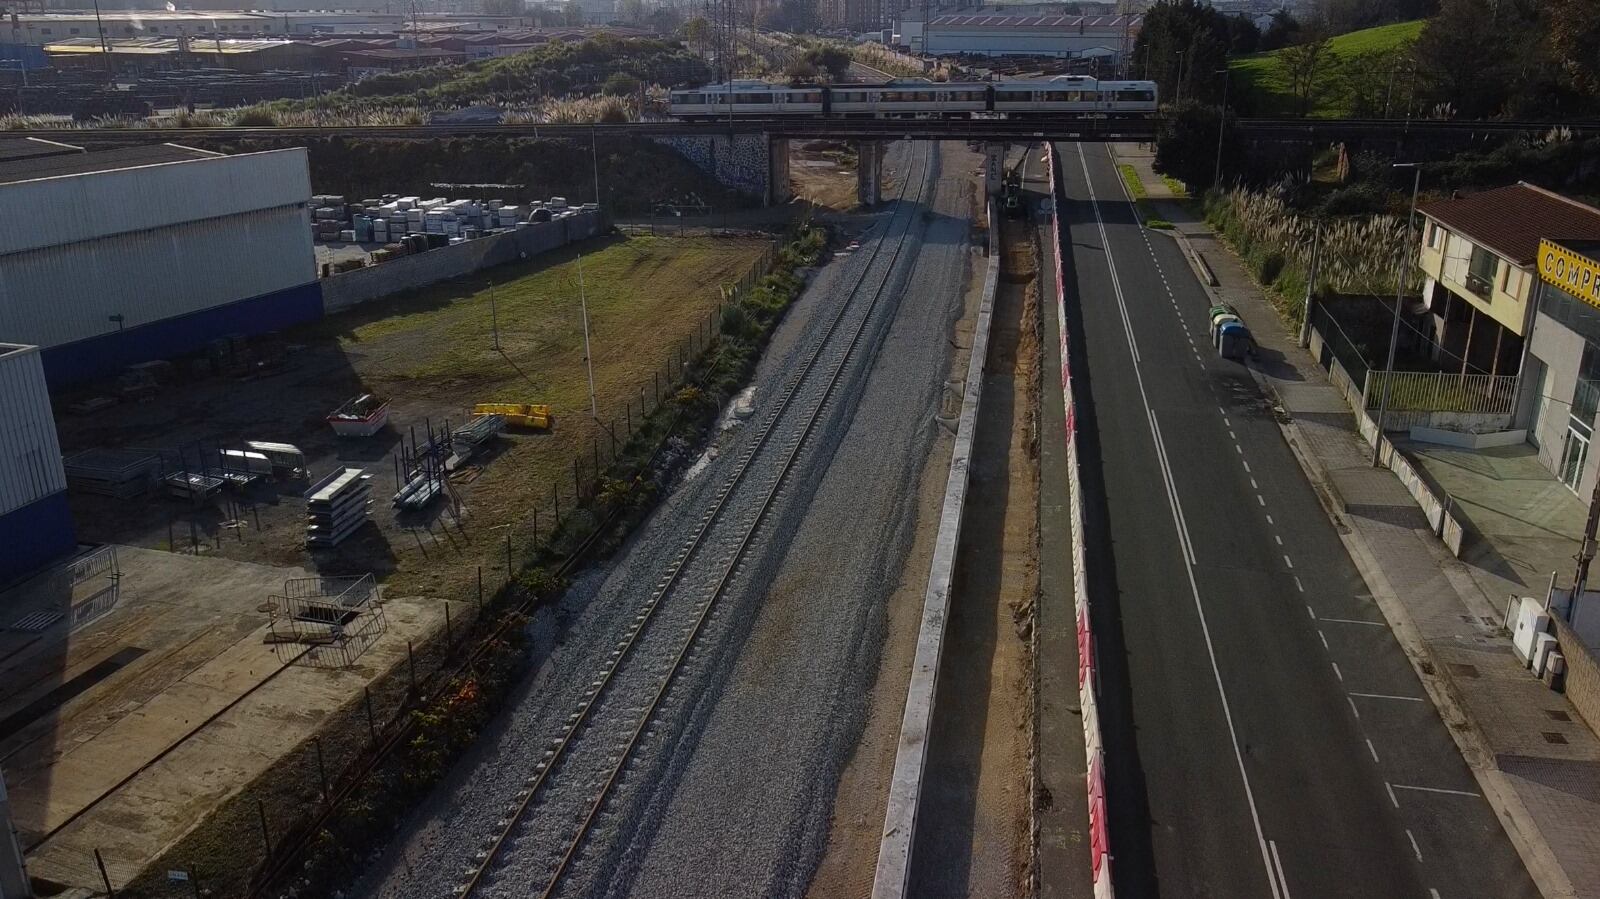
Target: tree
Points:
(802, 71)
(833, 60)
(1243, 35)
(1474, 83)
(1574, 39)
(1304, 66)
(1180, 46)
(1186, 144)
(632, 10)
(619, 84)
(1283, 31)
(697, 31)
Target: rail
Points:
(1434, 391)
(559, 751)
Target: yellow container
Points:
(522, 415)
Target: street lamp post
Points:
(1399, 291)
(1222, 122)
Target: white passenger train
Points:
(919, 98)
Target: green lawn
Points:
(1263, 79)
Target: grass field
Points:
(1262, 77)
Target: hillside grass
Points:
(1265, 81)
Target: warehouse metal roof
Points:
(32, 148)
(1054, 23)
(163, 45)
(29, 169)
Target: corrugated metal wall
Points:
(71, 208)
(62, 294)
(30, 454)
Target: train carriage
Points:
(1065, 95)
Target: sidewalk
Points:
(1537, 763)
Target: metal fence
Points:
(1433, 391)
(1339, 344)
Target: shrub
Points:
(256, 117)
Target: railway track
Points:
(542, 838)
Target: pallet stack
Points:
(336, 507)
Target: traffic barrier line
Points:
(892, 878)
(1088, 685)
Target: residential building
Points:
(1566, 347)
(1511, 288)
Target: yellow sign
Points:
(1576, 274)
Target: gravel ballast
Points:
(434, 849)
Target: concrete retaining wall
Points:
(348, 289)
(892, 879)
(1435, 503)
(742, 162)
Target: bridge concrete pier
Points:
(869, 172)
(779, 188)
(994, 168)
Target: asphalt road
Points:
(1266, 735)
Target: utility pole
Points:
(588, 359)
(594, 163)
(1399, 291)
(1311, 286)
(1222, 123)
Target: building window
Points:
(1480, 271)
(1435, 235)
(1505, 279)
(44, 31)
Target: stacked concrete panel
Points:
(35, 524)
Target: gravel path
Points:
(435, 848)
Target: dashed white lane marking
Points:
(1414, 847)
(1393, 800)
(1288, 561)
(1312, 612)
(1324, 640)
(1336, 672)
(1277, 538)
(1231, 435)
(1353, 710)
(1436, 790)
(1269, 519)
(1374, 750)
(1261, 501)
(1387, 696)
(1254, 485)
(1433, 893)
(1238, 449)
(1297, 585)
(1246, 464)
(1355, 621)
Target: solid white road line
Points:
(1393, 800)
(1353, 710)
(1324, 640)
(1181, 528)
(1336, 672)
(1298, 585)
(1355, 621)
(1373, 749)
(1436, 790)
(1277, 865)
(1414, 847)
(1387, 696)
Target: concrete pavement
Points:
(1266, 733)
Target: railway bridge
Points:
(759, 145)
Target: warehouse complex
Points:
(148, 253)
(35, 523)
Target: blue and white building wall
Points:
(35, 524)
(111, 268)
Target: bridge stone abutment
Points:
(756, 165)
(869, 172)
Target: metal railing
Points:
(1430, 391)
